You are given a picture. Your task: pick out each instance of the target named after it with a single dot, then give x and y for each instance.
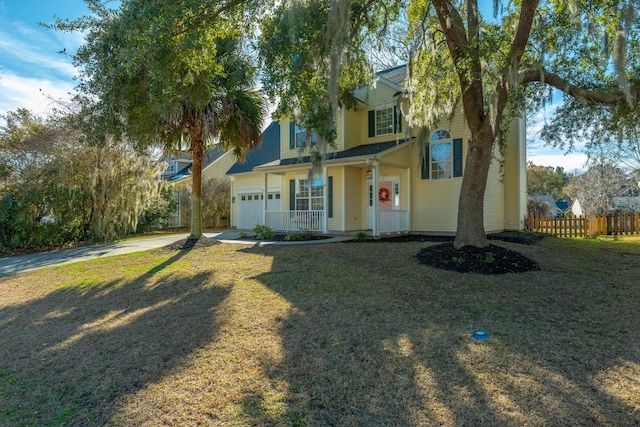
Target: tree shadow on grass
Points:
(74, 355)
(380, 345)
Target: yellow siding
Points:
(354, 198)
(252, 182)
(399, 157)
(288, 153)
(380, 96)
(515, 176)
(352, 127)
(494, 197)
(219, 168)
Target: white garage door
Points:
(250, 208)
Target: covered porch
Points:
(367, 192)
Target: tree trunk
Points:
(197, 151)
(470, 229)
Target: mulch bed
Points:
(469, 259)
(490, 260)
(191, 243)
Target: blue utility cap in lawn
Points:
(480, 335)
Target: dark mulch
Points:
(191, 243)
(469, 259)
(524, 238)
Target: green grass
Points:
(327, 334)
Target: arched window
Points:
(441, 155)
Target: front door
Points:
(387, 197)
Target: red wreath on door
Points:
(384, 195)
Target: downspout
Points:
(376, 214)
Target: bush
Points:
(263, 232)
(294, 237)
(361, 237)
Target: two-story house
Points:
(376, 178)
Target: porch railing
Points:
(295, 220)
(393, 221)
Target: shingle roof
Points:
(269, 150)
(360, 150)
(395, 75)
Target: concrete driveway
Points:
(21, 263)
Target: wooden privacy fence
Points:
(617, 224)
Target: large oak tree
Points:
(490, 66)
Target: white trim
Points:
(342, 131)
(344, 199)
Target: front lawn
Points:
(328, 334)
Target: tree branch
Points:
(538, 75)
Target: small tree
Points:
(215, 201)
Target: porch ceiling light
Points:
(369, 173)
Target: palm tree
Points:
(231, 116)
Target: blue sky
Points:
(32, 72)
(31, 69)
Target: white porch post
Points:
(265, 190)
(231, 210)
(376, 213)
(409, 198)
(325, 200)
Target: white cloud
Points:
(34, 94)
(25, 46)
(568, 161)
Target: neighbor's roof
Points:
(213, 155)
(269, 150)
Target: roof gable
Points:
(268, 151)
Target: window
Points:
(309, 195)
(441, 155)
(302, 137)
(384, 121)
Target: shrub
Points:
(361, 237)
(294, 237)
(263, 232)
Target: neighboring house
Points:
(375, 179)
(576, 208)
(626, 199)
(216, 163)
(563, 207)
(553, 210)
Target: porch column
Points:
(231, 207)
(265, 190)
(376, 213)
(325, 200)
(409, 198)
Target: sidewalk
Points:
(21, 263)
